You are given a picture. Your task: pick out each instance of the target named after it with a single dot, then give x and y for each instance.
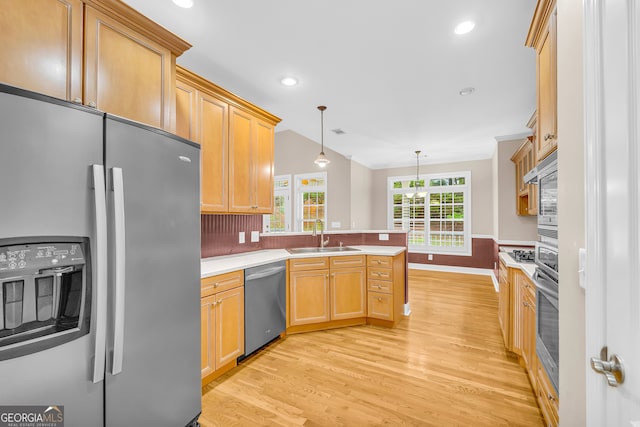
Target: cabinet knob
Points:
(549, 136)
(215, 285)
(379, 262)
(379, 299)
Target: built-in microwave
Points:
(548, 193)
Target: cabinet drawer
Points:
(347, 261)
(222, 282)
(380, 306)
(315, 263)
(379, 273)
(379, 261)
(547, 398)
(383, 286)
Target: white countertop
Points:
(527, 267)
(228, 263)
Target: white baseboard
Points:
(453, 269)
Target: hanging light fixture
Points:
(417, 188)
(322, 160)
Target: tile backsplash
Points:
(220, 236)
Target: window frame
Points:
(285, 191)
(298, 191)
(427, 248)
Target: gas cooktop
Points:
(522, 256)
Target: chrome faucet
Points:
(323, 242)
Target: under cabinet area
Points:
(221, 323)
(100, 53)
(236, 140)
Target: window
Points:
(435, 214)
(280, 221)
(311, 196)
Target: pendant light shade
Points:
(417, 188)
(321, 160)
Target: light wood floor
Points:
(444, 366)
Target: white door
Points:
(612, 100)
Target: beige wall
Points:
(481, 191)
(511, 227)
(571, 208)
(361, 182)
(294, 154)
(495, 186)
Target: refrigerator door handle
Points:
(120, 269)
(100, 205)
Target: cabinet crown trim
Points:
(200, 83)
(544, 8)
(133, 19)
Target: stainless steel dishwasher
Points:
(264, 304)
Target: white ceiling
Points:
(388, 71)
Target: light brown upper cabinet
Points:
(542, 37)
(250, 163)
(236, 141)
(129, 61)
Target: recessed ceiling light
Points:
(184, 3)
(467, 91)
(464, 27)
(289, 81)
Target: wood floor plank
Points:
(445, 365)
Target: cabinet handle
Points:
(254, 207)
(549, 136)
(333, 274)
(551, 398)
(215, 285)
(379, 262)
(526, 304)
(92, 104)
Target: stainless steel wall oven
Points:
(547, 328)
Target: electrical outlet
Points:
(336, 224)
(383, 236)
(255, 236)
(430, 257)
(241, 237)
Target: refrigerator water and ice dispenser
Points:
(45, 293)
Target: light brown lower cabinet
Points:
(518, 317)
(327, 292)
(325, 289)
(385, 288)
(547, 397)
(221, 323)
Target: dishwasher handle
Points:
(265, 273)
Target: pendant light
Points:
(322, 160)
(418, 189)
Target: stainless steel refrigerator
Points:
(99, 266)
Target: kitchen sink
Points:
(321, 250)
